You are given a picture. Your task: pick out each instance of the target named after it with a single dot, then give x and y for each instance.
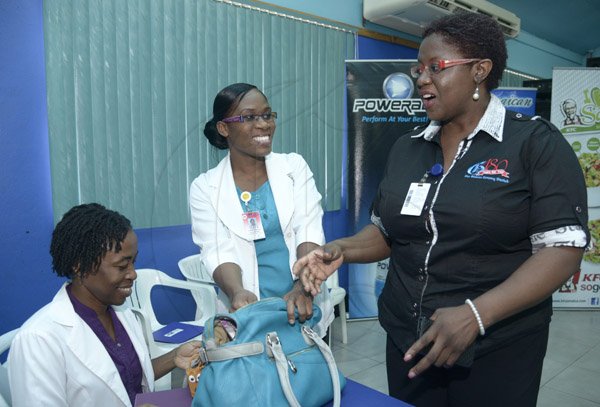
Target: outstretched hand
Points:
(452, 331)
(186, 354)
(317, 266)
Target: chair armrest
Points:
(188, 284)
(199, 280)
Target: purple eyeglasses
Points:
(250, 118)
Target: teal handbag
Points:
(269, 362)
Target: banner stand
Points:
(382, 105)
(575, 110)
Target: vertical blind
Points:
(131, 84)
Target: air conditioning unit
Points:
(411, 16)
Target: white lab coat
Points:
(218, 229)
(57, 360)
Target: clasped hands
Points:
(314, 268)
(453, 328)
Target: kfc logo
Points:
(571, 285)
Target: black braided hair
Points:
(225, 102)
(474, 35)
(83, 236)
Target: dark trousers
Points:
(508, 376)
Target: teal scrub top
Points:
(274, 274)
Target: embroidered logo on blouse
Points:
(494, 169)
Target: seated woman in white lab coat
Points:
(78, 350)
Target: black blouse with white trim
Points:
(515, 186)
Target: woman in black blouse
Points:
(483, 215)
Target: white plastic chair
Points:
(147, 279)
(141, 304)
(192, 269)
(338, 295)
(5, 341)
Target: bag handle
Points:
(282, 366)
(333, 370)
(219, 354)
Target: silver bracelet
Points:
(477, 317)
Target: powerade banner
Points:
(382, 105)
(575, 110)
(519, 100)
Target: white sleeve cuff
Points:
(376, 220)
(569, 236)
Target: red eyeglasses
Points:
(436, 67)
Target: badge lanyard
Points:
(251, 219)
(417, 193)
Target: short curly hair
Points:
(474, 35)
(83, 236)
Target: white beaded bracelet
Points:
(477, 317)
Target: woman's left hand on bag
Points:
(452, 331)
(301, 300)
(187, 353)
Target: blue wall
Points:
(345, 11)
(369, 48)
(25, 197)
(535, 56)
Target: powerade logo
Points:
(408, 106)
(494, 169)
(398, 86)
(398, 89)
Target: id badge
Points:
(253, 225)
(415, 199)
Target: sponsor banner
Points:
(581, 291)
(519, 100)
(575, 110)
(382, 105)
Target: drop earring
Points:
(476, 93)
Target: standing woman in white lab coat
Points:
(78, 350)
(256, 211)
